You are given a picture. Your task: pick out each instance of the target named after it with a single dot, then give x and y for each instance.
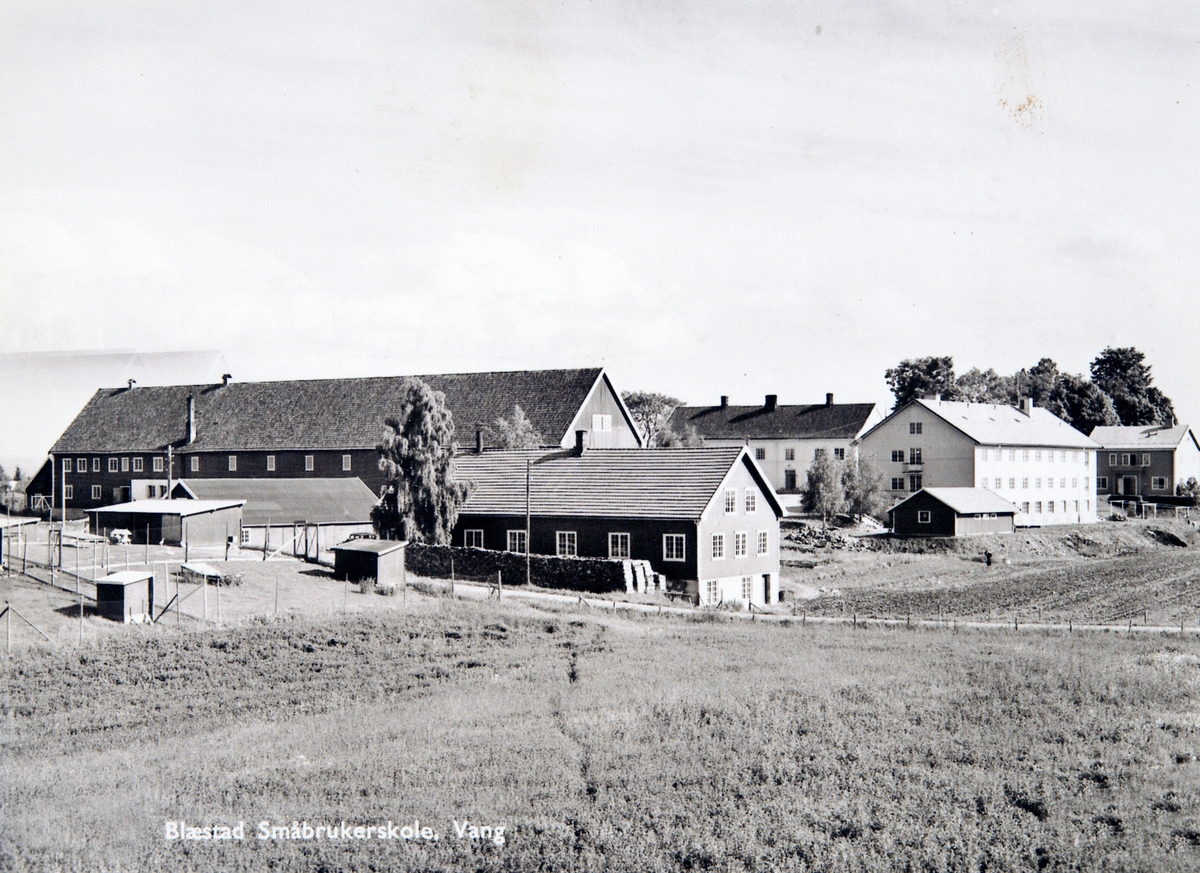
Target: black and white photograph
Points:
(632, 435)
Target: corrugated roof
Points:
(967, 501)
(816, 421)
(997, 425)
(283, 501)
(626, 483)
(316, 413)
(169, 507)
(1140, 436)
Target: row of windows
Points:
(740, 541)
(914, 483)
(712, 590)
(731, 501)
(158, 464)
(1035, 455)
(923, 515)
(914, 456)
(760, 454)
(567, 543)
(1128, 460)
(1037, 483)
(1157, 483)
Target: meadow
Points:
(604, 743)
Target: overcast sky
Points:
(706, 198)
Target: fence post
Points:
(500, 584)
(451, 576)
(8, 627)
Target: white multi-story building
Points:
(1028, 456)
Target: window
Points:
(751, 501)
(516, 541)
(195, 465)
(1049, 506)
(718, 546)
(124, 465)
(897, 483)
(747, 583)
(157, 464)
(987, 454)
(566, 544)
(1101, 483)
(1050, 482)
(618, 545)
(1025, 482)
(1024, 454)
(1145, 460)
(113, 465)
(914, 483)
(151, 491)
(1077, 506)
(1037, 456)
(739, 545)
(137, 465)
(998, 482)
(983, 482)
(473, 539)
(345, 463)
(1012, 454)
(839, 454)
(1087, 506)
(1037, 483)
(731, 502)
(1012, 483)
(712, 590)
(817, 453)
(1112, 460)
(270, 463)
(898, 456)
(81, 465)
(764, 542)
(308, 463)
(1124, 460)
(233, 463)
(760, 454)
(69, 492)
(1062, 483)
(789, 454)
(914, 427)
(66, 465)
(1037, 507)
(1087, 459)
(1025, 507)
(602, 423)
(923, 516)
(673, 547)
(97, 492)
(1074, 481)
(1158, 483)
(914, 456)
(245, 537)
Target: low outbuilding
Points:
(952, 512)
(381, 560)
(127, 596)
(172, 522)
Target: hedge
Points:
(592, 575)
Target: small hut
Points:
(381, 560)
(126, 596)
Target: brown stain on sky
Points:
(1018, 97)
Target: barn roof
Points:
(811, 422)
(1142, 436)
(316, 413)
(967, 501)
(991, 424)
(675, 483)
(282, 501)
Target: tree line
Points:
(1120, 390)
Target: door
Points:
(789, 480)
(1129, 485)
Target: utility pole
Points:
(528, 467)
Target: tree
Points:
(863, 483)
(825, 490)
(985, 386)
(688, 438)
(650, 412)
(17, 474)
(1079, 402)
(1123, 376)
(1190, 488)
(918, 377)
(517, 431)
(420, 497)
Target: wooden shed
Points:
(952, 512)
(381, 560)
(126, 596)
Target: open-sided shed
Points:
(381, 560)
(126, 596)
(172, 522)
(952, 512)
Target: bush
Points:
(367, 585)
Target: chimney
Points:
(829, 398)
(479, 441)
(772, 399)
(225, 379)
(580, 442)
(191, 435)
(724, 401)
(132, 382)
(1027, 406)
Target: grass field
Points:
(607, 743)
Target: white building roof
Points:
(994, 425)
(1141, 436)
(170, 507)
